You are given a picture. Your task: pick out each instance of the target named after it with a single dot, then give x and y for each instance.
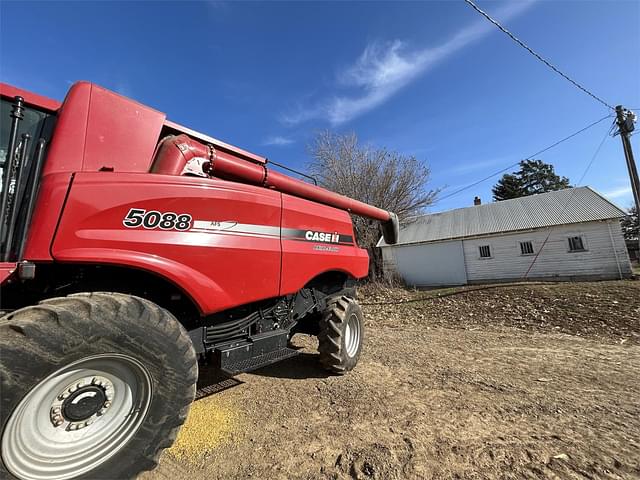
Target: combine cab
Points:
(131, 248)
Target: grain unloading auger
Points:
(176, 152)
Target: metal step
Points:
(259, 361)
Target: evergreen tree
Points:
(534, 176)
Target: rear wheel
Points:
(93, 386)
(341, 335)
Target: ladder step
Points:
(259, 361)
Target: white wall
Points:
(440, 263)
(555, 260)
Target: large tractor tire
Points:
(94, 386)
(341, 335)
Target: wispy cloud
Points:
(278, 141)
(473, 166)
(619, 192)
(385, 68)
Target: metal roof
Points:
(571, 205)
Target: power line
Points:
(595, 155)
(471, 185)
(566, 204)
(460, 190)
(538, 56)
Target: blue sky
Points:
(430, 79)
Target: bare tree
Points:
(386, 179)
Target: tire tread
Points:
(55, 328)
(331, 332)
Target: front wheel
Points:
(93, 386)
(341, 335)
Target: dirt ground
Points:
(529, 381)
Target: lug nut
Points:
(107, 404)
(58, 422)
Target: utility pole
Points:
(626, 120)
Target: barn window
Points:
(526, 248)
(485, 251)
(576, 244)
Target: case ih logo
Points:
(322, 237)
(314, 236)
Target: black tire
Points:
(39, 340)
(337, 353)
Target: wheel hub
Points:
(106, 395)
(81, 403)
(352, 335)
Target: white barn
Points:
(571, 234)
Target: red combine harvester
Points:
(130, 249)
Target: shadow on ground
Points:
(302, 366)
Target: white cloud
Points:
(619, 192)
(278, 141)
(473, 166)
(385, 68)
(301, 114)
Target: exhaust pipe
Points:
(175, 152)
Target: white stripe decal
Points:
(228, 227)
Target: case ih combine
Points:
(205, 251)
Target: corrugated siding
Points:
(573, 205)
(555, 259)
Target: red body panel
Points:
(98, 129)
(301, 261)
(121, 134)
(51, 196)
(66, 151)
